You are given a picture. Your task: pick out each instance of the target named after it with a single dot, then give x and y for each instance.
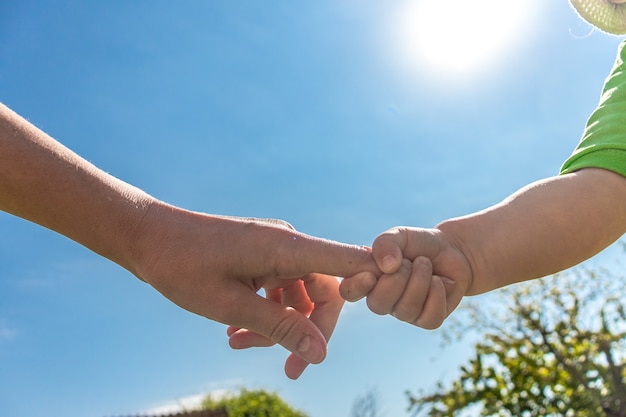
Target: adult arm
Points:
(209, 265)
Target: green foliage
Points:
(252, 403)
(551, 347)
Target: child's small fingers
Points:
(411, 303)
(387, 250)
(358, 286)
(389, 289)
(435, 307)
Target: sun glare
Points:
(454, 37)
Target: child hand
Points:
(424, 277)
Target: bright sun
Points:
(450, 37)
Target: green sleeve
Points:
(603, 144)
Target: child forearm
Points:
(545, 227)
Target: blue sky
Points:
(328, 114)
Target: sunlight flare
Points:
(460, 36)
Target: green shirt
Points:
(603, 144)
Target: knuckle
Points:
(407, 314)
(428, 323)
(377, 306)
(270, 246)
(269, 221)
(285, 327)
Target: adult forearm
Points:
(210, 265)
(44, 182)
(544, 228)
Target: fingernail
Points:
(310, 350)
(388, 263)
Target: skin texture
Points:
(543, 228)
(209, 265)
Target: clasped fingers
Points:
(411, 294)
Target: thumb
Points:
(388, 249)
(405, 242)
(281, 324)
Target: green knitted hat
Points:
(606, 15)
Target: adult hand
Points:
(315, 296)
(214, 266)
(209, 265)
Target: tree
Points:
(252, 403)
(366, 405)
(550, 347)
